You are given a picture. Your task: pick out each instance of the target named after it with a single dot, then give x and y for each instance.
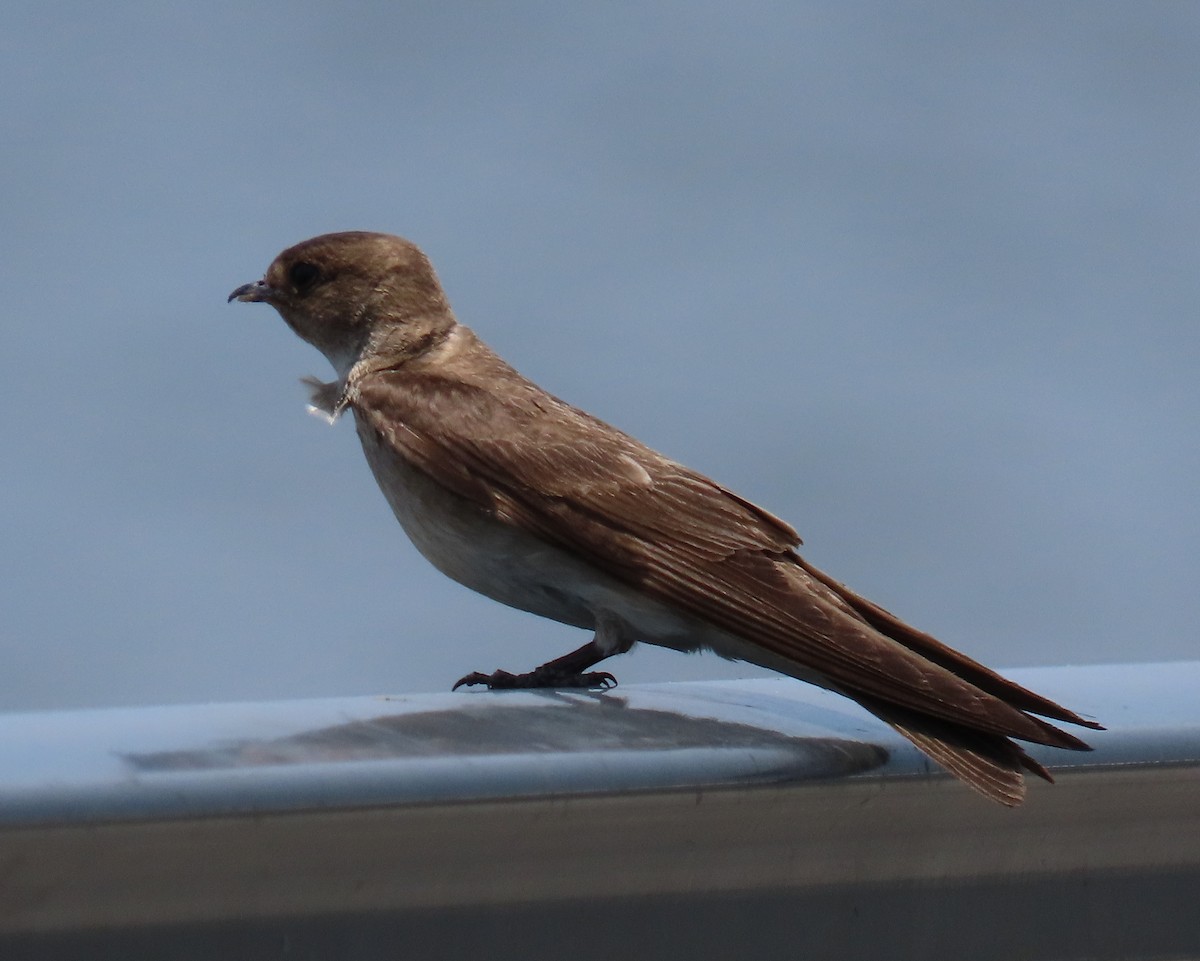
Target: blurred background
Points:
(921, 279)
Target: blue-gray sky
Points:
(922, 279)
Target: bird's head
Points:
(356, 296)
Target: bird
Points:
(537, 504)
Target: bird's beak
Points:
(254, 293)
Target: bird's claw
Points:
(537, 678)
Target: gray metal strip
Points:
(761, 813)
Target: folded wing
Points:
(533, 461)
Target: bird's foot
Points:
(544, 676)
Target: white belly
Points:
(505, 563)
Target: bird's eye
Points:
(303, 274)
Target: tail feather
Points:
(990, 763)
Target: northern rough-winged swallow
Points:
(536, 504)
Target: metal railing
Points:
(755, 819)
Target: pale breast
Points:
(464, 543)
(515, 568)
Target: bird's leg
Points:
(570, 670)
(566, 671)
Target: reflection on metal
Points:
(757, 819)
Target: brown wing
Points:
(536, 462)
